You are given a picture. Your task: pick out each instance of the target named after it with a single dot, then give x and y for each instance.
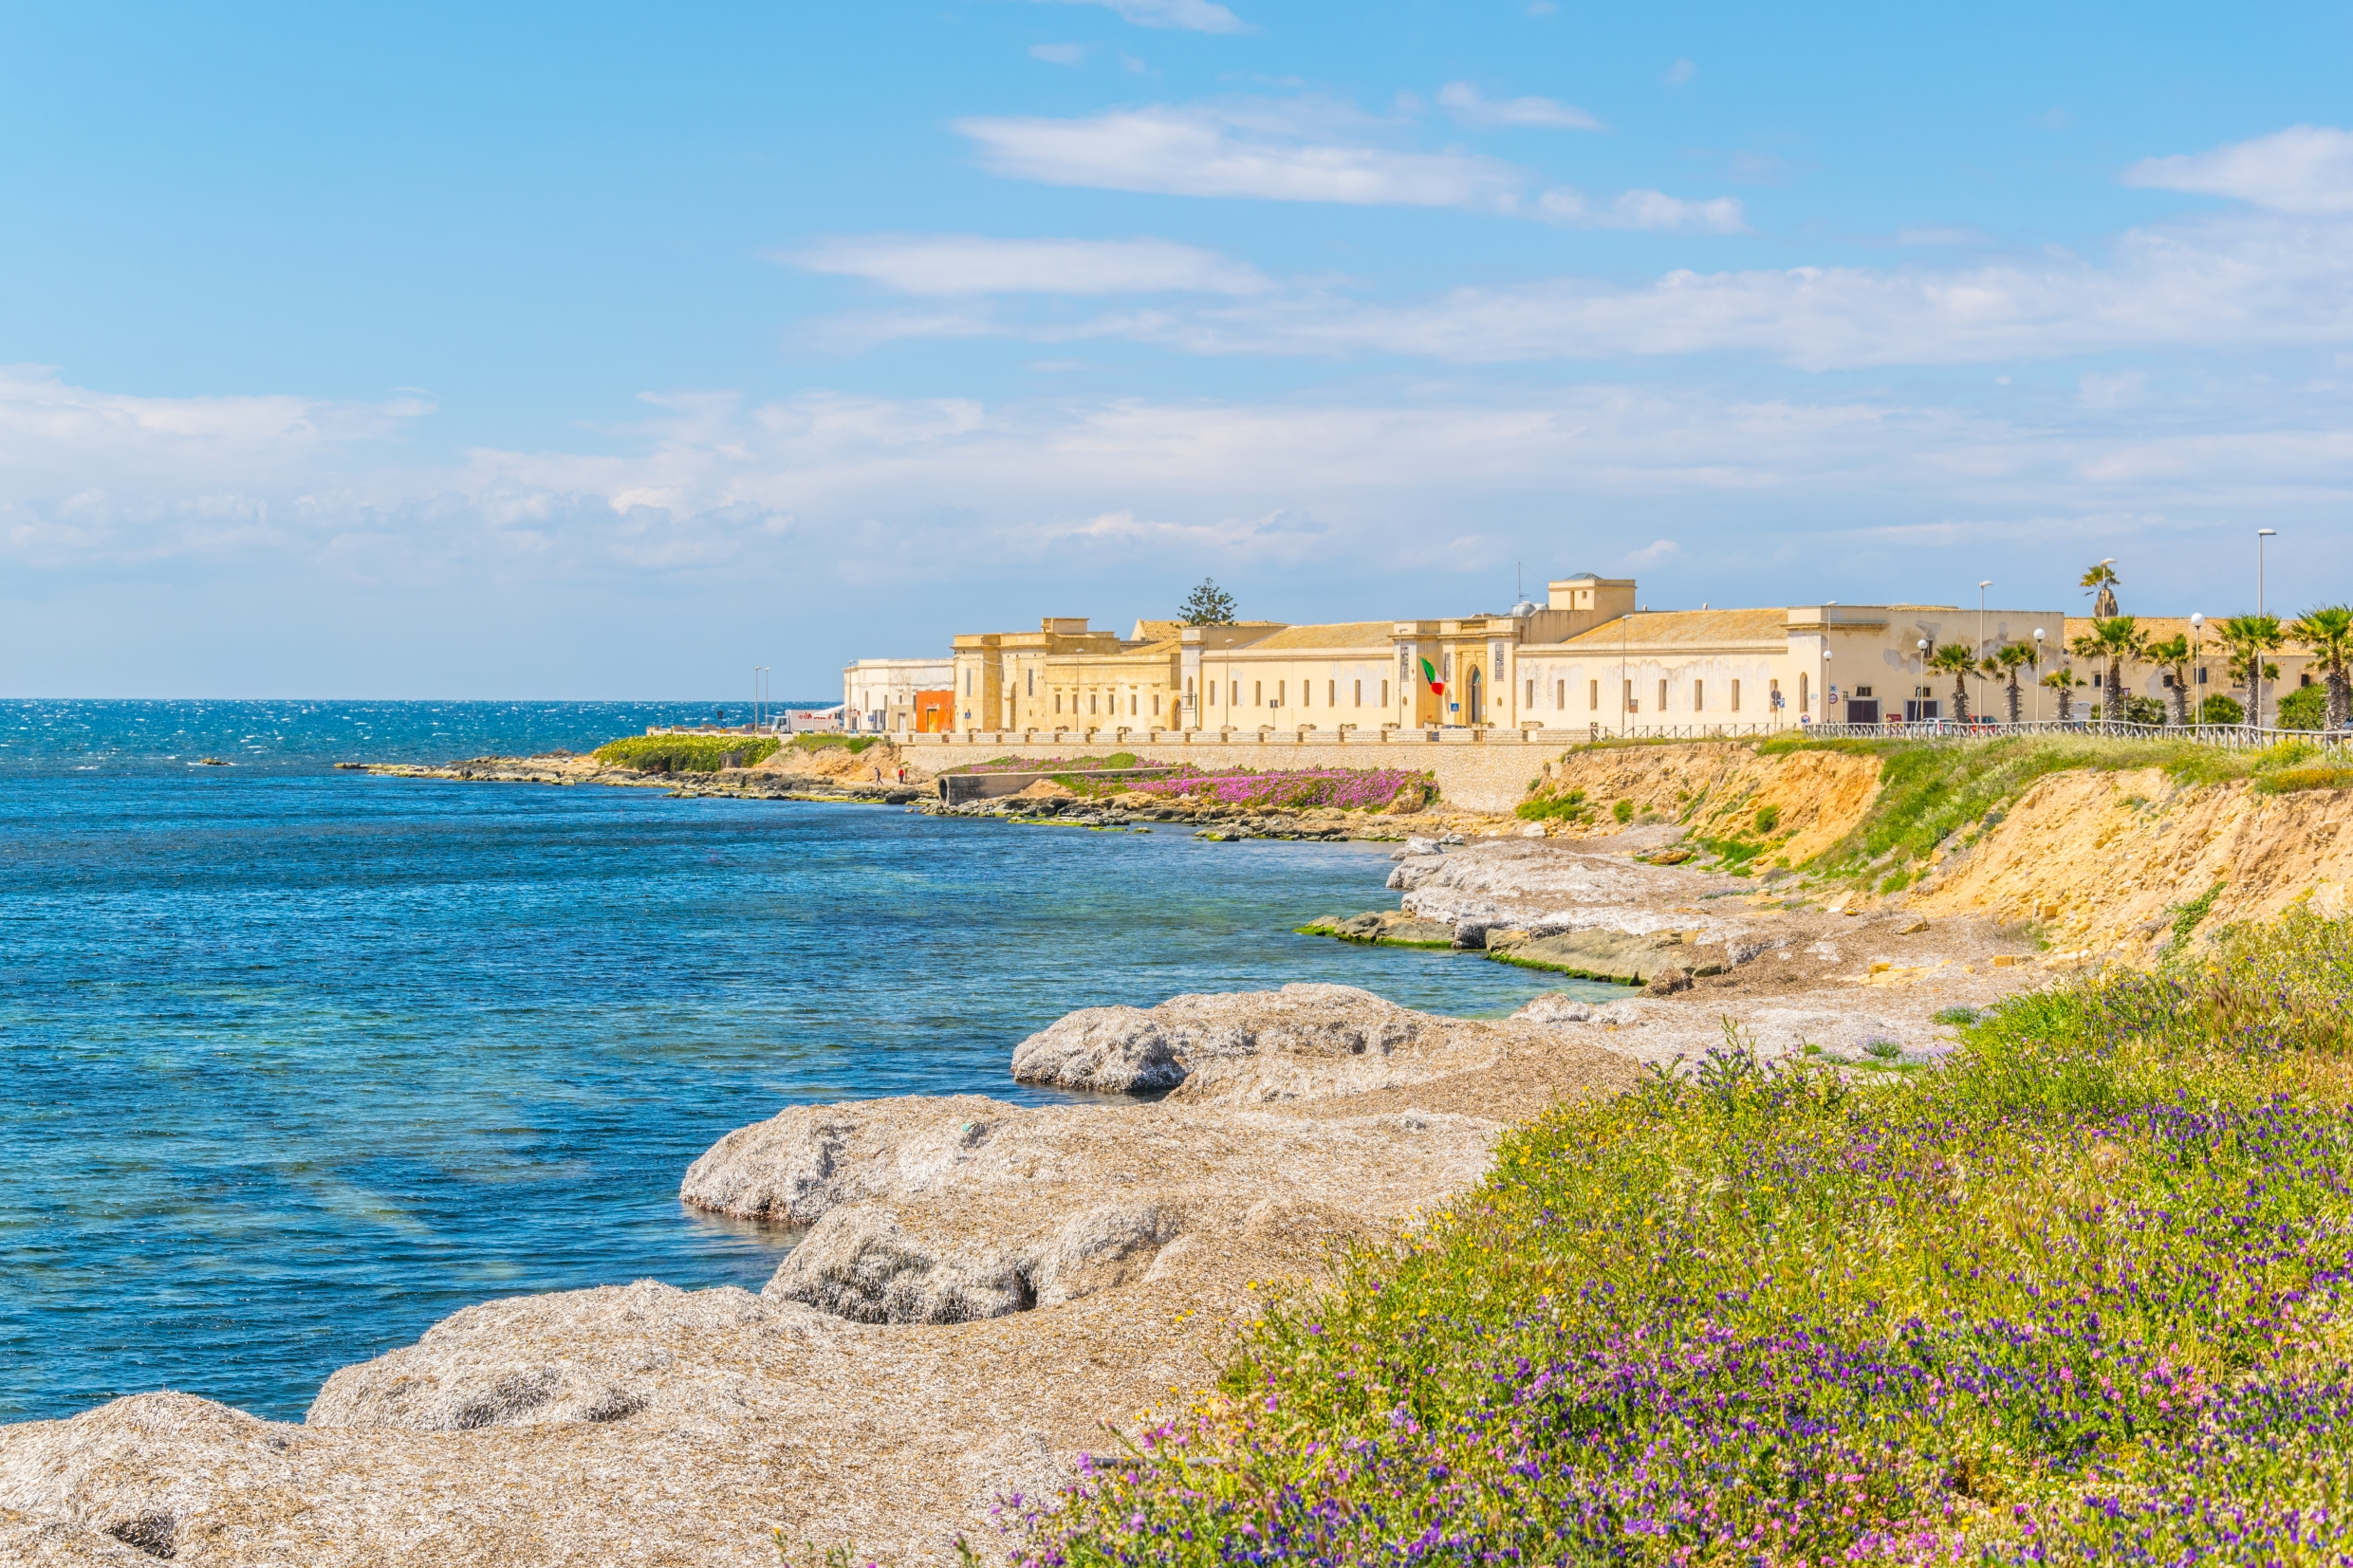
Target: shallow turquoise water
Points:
(298, 1061)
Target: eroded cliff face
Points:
(1713, 786)
(2107, 862)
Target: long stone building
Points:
(1590, 659)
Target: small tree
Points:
(2329, 633)
(2116, 642)
(2249, 638)
(2172, 657)
(2006, 660)
(1956, 659)
(2102, 581)
(2220, 710)
(1208, 606)
(2063, 682)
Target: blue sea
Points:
(298, 1061)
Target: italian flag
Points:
(1430, 673)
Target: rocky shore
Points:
(979, 1287)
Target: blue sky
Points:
(609, 352)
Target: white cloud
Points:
(1186, 15)
(2305, 169)
(1059, 54)
(1652, 554)
(1252, 151)
(1463, 101)
(970, 263)
(1678, 73)
(1643, 210)
(1941, 234)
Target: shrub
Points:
(2305, 707)
(1767, 818)
(1622, 810)
(1293, 789)
(2141, 710)
(685, 753)
(2221, 709)
(1569, 807)
(854, 745)
(2076, 1296)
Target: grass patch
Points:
(1572, 807)
(685, 753)
(2289, 781)
(2078, 1296)
(854, 745)
(2186, 916)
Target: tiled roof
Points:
(1683, 628)
(1345, 633)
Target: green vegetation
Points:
(1207, 606)
(1767, 818)
(2221, 709)
(686, 753)
(1622, 810)
(2186, 916)
(1572, 807)
(2077, 1296)
(854, 745)
(1931, 792)
(2305, 707)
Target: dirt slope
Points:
(1819, 795)
(2106, 861)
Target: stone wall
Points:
(1488, 774)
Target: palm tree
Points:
(1957, 660)
(2173, 655)
(2329, 632)
(2249, 638)
(2006, 660)
(2102, 579)
(2065, 683)
(2118, 641)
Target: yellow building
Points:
(1065, 676)
(2209, 672)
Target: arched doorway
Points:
(1473, 697)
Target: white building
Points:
(889, 695)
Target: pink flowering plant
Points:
(2082, 1294)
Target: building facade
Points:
(887, 694)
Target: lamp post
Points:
(2038, 668)
(1981, 643)
(1826, 686)
(2197, 657)
(1922, 682)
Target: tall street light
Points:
(1981, 643)
(2038, 675)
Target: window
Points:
(1560, 694)
(1862, 691)
(1360, 694)
(2201, 675)
(1236, 695)
(1384, 693)
(1258, 693)
(1736, 696)
(1131, 704)
(1033, 684)
(1531, 695)
(1156, 705)
(1090, 702)
(1805, 697)
(1331, 693)
(1593, 696)
(968, 683)
(1700, 696)
(1058, 702)
(1662, 696)
(1627, 697)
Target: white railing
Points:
(2232, 737)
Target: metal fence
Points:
(2230, 737)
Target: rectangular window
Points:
(1131, 704)
(968, 683)
(1627, 697)
(1862, 691)
(2201, 675)
(1593, 696)
(1258, 693)
(1156, 705)
(1058, 702)
(1033, 684)
(1736, 696)
(1360, 694)
(1235, 695)
(1662, 696)
(1804, 693)
(1531, 697)
(1700, 696)
(1090, 702)
(1331, 693)
(1384, 693)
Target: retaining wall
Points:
(1487, 773)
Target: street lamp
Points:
(2197, 693)
(1981, 643)
(2038, 667)
(1921, 684)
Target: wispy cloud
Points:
(1186, 15)
(1678, 73)
(1465, 104)
(1258, 151)
(1059, 54)
(2305, 169)
(1643, 210)
(940, 265)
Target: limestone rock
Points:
(861, 1265)
(138, 1470)
(1106, 1050)
(807, 1160)
(1555, 1007)
(1668, 980)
